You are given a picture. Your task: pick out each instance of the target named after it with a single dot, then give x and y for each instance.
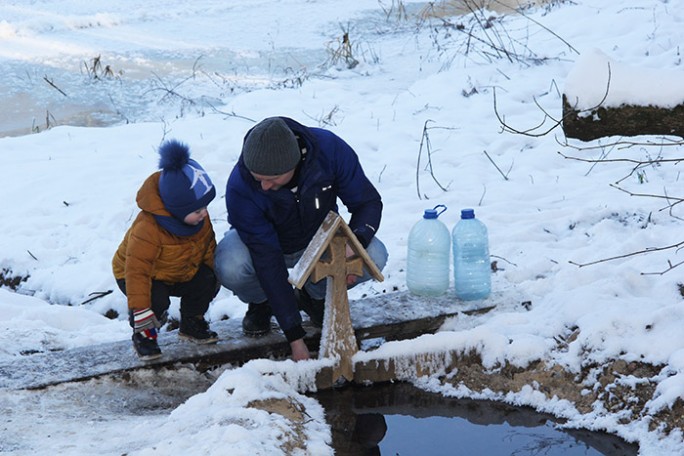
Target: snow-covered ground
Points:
(90, 89)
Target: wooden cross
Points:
(337, 336)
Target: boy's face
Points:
(193, 218)
(273, 182)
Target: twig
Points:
(171, 91)
(623, 144)
(671, 267)
(425, 140)
(529, 132)
(638, 163)
(626, 160)
(97, 295)
(229, 114)
(650, 195)
(627, 255)
(381, 172)
(420, 151)
(540, 25)
(52, 84)
(495, 166)
(504, 259)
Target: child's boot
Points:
(146, 347)
(145, 327)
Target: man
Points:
(286, 181)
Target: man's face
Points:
(273, 182)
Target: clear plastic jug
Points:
(472, 267)
(429, 245)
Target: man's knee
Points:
(232, 260)
(378, 253)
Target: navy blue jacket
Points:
(272, 223)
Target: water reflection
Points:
(401, 420)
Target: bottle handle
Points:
(444, 208)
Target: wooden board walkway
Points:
(394, 316)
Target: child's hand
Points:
(144, 321)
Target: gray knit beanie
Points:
(270, 148)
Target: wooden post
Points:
(337, 336)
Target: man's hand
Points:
(299, 350)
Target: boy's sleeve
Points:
(211, 248)
(142, 250)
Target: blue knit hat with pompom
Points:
(184, 186)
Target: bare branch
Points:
(519, 11)
(97, 295)
(556, 123)
(495, 166)
(229, 114)
(665, 197)
(626, 144)
(627, 255)
(625, 160)
(670, 267)
(425, 141)
(52, 84)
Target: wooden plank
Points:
(358, 249)
(394, 316)
(44, 369)
(403, 330)
(332, 224)
(304, 267)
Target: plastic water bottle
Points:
(472, 268)
(427, 265)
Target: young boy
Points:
(169, 251)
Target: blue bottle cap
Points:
(434, 213)
(467, 214)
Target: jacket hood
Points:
(149, 199)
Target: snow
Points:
(204, 71)
(596, 79)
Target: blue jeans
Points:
(234, 269)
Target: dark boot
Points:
(146, 348)
(196, 329)
(257, 320)
(314, 308)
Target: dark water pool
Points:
(401, 420)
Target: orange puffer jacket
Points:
(149, 252)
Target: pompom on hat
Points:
(270, 148)
(184, 186)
